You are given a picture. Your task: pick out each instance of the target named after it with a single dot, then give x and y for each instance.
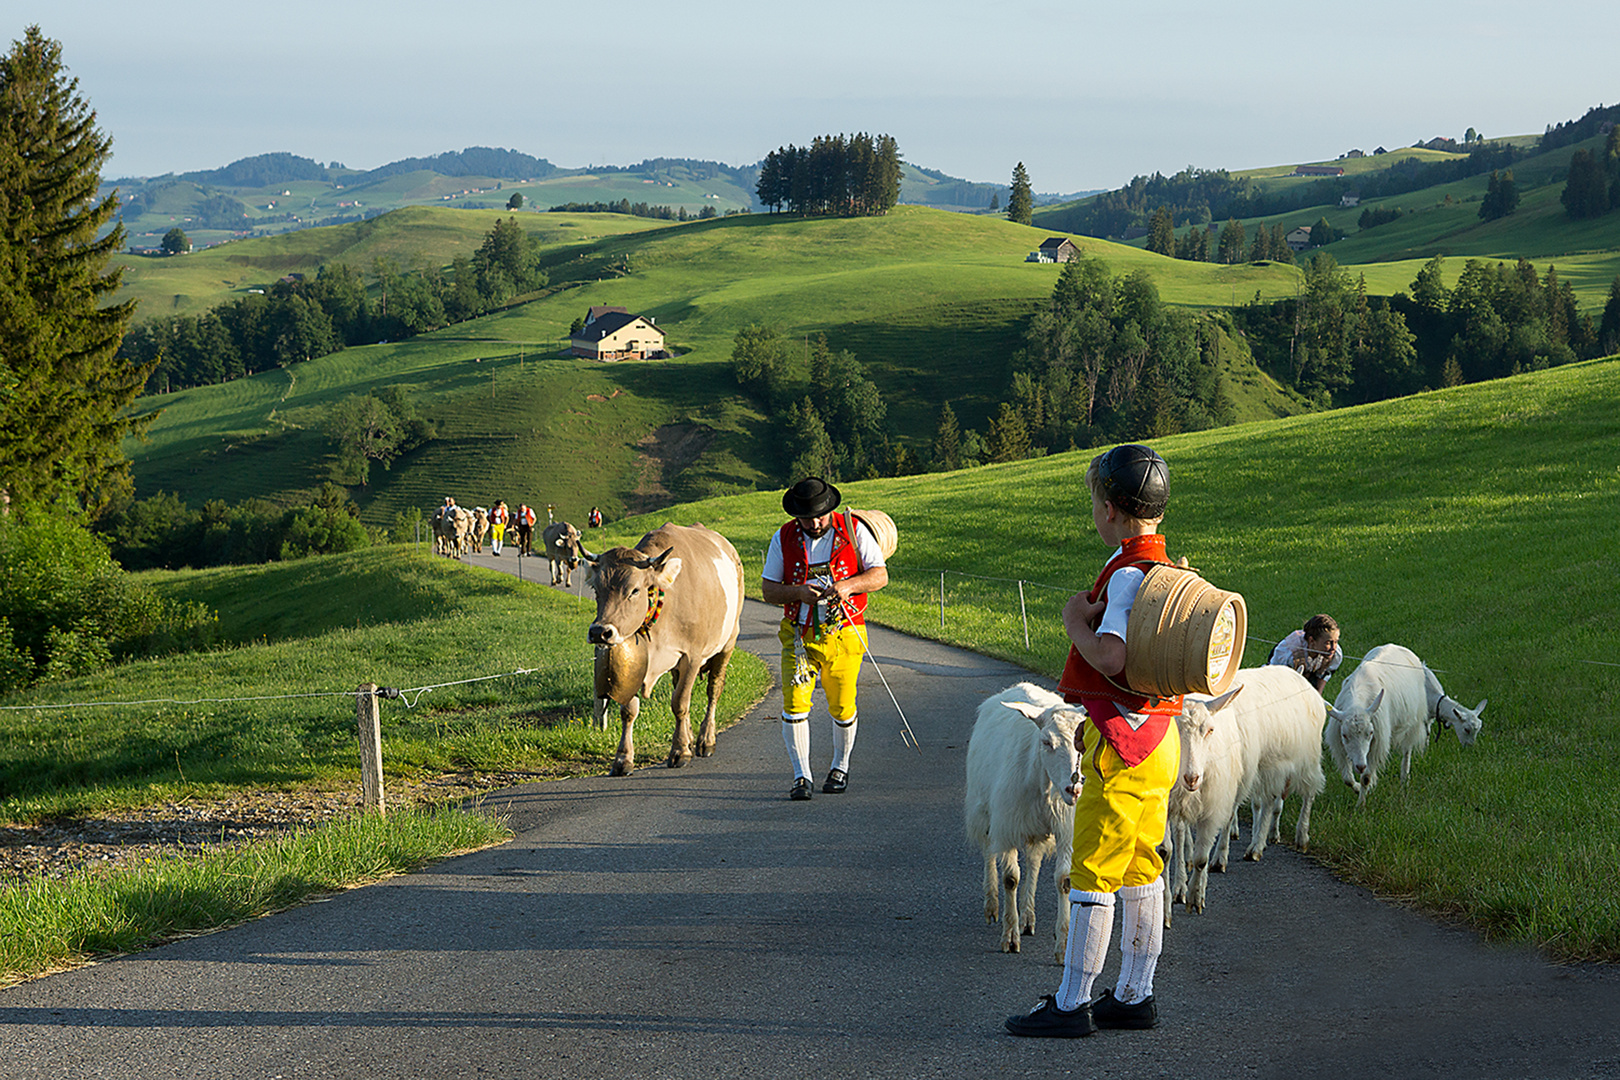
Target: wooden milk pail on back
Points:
(1184, 635)
(882, 526)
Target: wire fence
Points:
(981, 606)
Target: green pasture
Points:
(189, 284)
(1472, 525)
(497, 670)
(932, 302)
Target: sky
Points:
(1085, 94)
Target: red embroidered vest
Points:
(1107, 699)
(845, 562)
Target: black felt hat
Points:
(811, 497)
(1136, 480)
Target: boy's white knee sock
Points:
(1142, 940)
(1091, 922)
(796, 736)
(843, 742)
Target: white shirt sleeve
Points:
(775, 565)
(1122, 588)
(1284, 652)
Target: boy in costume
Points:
(1130, 756)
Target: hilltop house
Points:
(1055, 249)
(1350, 198)
(615, 334)
(1299, 239)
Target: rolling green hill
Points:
(932, 303)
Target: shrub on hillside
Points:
(66, 608)
(162, 532)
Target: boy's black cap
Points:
(811, 497)
(1136, 480)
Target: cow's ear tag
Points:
(671, 571)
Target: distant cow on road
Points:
(561, 543)
(672, 601)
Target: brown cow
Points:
(561, 543)
(674, 601)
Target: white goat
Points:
(1217, 764)
(1384, 708)
(1023, 776)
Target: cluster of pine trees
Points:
(1593, 186)
(845, 176)
(1231, 245)
(297, 320)
(1339, 346)
(830, 413)
(640, 209)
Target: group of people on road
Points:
(821, 566)
(521, 521)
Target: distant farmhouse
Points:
(1056, 249)
(612, 333)
(1300, 238)
(1350, 198)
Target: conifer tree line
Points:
(63, 390)
(1592, 187)
(298, 320)
(1339, 346)
(837, 175)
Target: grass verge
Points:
(51, 924)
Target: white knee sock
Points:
(1091, 923)
(1141, 942)
(843, 742)
(796, 736)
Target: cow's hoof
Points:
(621, 768)
(705, 750)
(675, 761)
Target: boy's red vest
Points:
(845, 562)
(1105, 699)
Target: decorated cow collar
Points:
(655, 608)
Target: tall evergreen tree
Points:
(1586, 191)
(1231, 245)
(63, 422)
(1501, 196)
(1609, 329)
(948, 439)
(1021, 202)
(1162, 232)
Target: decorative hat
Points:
(811, 497)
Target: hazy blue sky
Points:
(1086, 94)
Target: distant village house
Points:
(1056, 249)
(613, 333)
(1300, 238)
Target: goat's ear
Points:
(1217, 704)
(1341, 717)
(1377, 701)
(1034, 712)
(1481, 706)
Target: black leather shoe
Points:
(1109, 1012)
(800, 791)
(837, 781)
(1047, 1021)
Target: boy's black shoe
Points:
(1109, 1012)
(1047, 1021)
(837, 781)
(800, 791)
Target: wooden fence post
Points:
(368, 718)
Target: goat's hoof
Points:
(1251, 856)
(621, 768)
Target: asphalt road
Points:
(695, 923)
